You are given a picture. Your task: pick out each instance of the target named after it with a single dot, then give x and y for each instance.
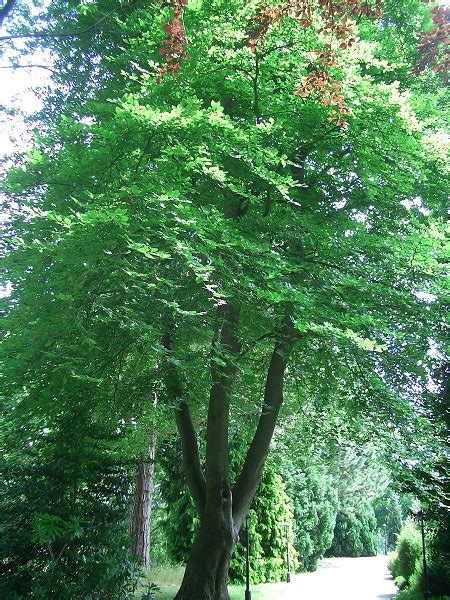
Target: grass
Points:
(169, 579)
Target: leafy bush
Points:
(65, 507)
(408, 594)
(151, 592)
(392, 561)
(439, 556)
(407, 567)
(407, 553)
(400, 582)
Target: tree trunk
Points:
(222, 511)
(206, 572)
(142, 508)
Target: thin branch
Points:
(13, 67)
(255, 83)
(286, 46)
(144, 152)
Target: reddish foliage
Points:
(336, 18)
(434, 45)
(319, 82)
(173, 48)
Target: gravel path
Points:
(344, 579)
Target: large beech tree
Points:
(269, 217)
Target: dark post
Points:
(248, 594)
(421, 515)
(288, 562)
(385, 538)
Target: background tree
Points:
(64, 502)
(390, 517)
(315, 506)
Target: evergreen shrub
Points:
(407, 553)
(269, 513)
(315, 502)
(355, 533)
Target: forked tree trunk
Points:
(222, 510)
(142, 507)
(206, 572)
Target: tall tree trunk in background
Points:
(142, 508)
(222, 509)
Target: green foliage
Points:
(180, 525)
(400, 582)
(355, 533)
(408, 552)
(64, 530)
(139, 201)
(175, 509)
(412, 595)
(389, 515)
(314, 501)
(151, 593)
(358, 475)
(439, 556)
(270, 513)
(408, 561)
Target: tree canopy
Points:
(273, 215)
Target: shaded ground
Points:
(336, 579)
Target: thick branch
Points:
(191, 456)
(225, 350)
(250, 477)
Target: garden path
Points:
(344, 579)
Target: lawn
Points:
(168, 580)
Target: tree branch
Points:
(255, 83)
(251, 474)
(225, 351)
(191, 456)
(57, 34)
(17, 66)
